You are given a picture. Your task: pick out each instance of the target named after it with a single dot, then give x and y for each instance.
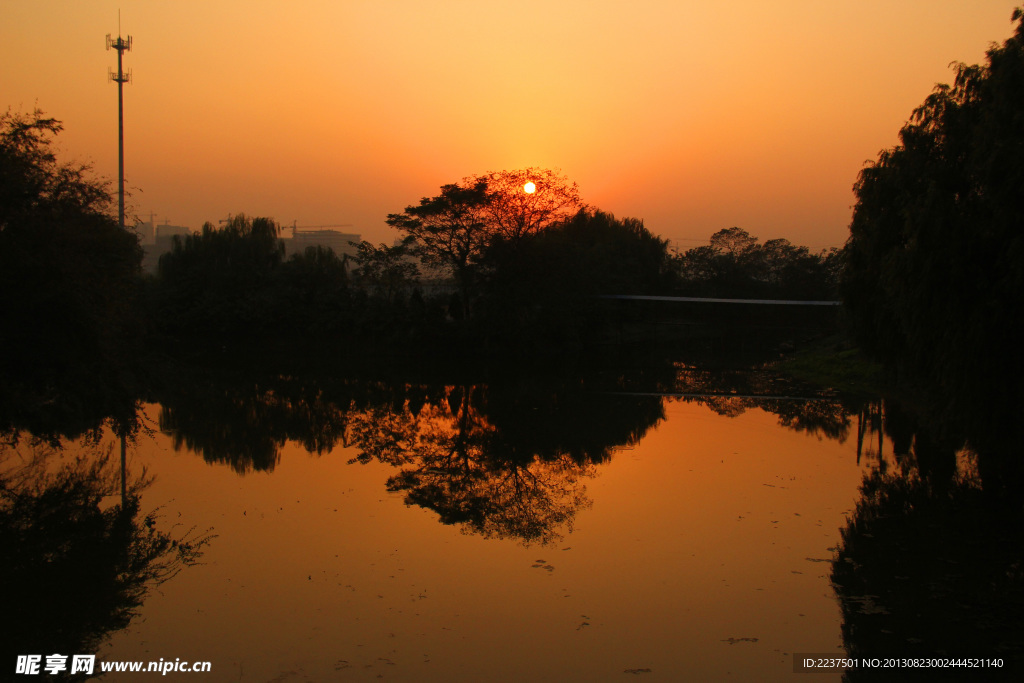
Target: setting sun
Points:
(529, 188)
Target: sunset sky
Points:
(692, 115)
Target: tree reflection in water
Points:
(799, 408)
(931, 561)
(505, 459)
(524, 481)
(77, 568)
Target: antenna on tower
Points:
(122, 45)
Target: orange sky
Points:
(692, 115)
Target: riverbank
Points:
(835, 362)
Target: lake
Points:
(680, 523)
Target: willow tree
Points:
(935, 260)
(220, 280)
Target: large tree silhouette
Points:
(450, 232)
(68, 277)
(528, 201)
(457, 229)
(935, 260)
(222, 279)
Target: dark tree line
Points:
(518, 260)
(222, 277)
(736, 265)
(511, 259)
(934, 280)
(234, 283)
(540, 283)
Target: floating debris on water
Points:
(733, 641)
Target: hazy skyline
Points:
(693, 116)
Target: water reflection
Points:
(799, 408)
(928, 563)
(931, 562)
(243, 420)
(503, 464)
(504, 459)
(78, 567)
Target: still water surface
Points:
(698, 548)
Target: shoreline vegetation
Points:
(836, 362)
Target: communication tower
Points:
(122, 45)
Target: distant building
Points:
(157, 240)
(339, 242)
(145, 231)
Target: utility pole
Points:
(122, 45)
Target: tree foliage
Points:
(311, 293)
(221, 280)
(390, 272)
(457, 228)
(513, 213)
(935, 273)
(736, 264)
(68, 273)
(549, 282)
(450, 231)
(33, 184)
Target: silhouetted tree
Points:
(450, 232)
(934, 280)
(389, 272)
(457, 229)
(549, 281)
(513, 213)
(68, 277)
(735, 264)
(311, 292)
(221, 280)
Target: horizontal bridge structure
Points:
(707, 300)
